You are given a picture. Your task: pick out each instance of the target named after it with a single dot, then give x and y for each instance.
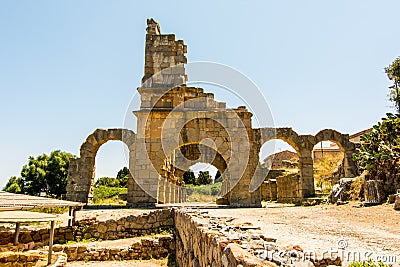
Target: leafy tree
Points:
(123, 177)
(393, 72)
(107, 181)
(14, 185)
(45, 173)
(204, 178)
(218, 177)
(379, 153)
(189, 177)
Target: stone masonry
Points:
(180, 125)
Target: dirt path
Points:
(346, 229)
(328, 228)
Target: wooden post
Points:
(17, 226)
(73, 216)
(51, 243)
(70, 216)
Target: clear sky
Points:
(68, 67)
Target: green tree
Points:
(123, 177)
(107, 181)
(43, 174)
(14, 185)
(393, 72)
(204, 178)
(189, 177)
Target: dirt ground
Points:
(350, 230)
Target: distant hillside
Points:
(281, 160)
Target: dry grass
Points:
(324, 168)
(200, 198)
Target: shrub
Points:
(368, 263)
(379, 153)
(107, 181)
(103, 192)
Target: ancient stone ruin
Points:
(179, 125)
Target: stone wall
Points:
(131, 226)
(31, 258)
(269, 190)
(201, 243)
(289, 188)
(155, 247)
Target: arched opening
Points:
(328, 165)
(279, 161)
(203, 182)
(277, 154)
(110, 185)
(188, 175)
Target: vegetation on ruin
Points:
(44, 174)
(379, 153)
(393, 72)
(356, 188)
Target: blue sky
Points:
(69, 67)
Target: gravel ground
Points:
(345, 228)
(322, 228)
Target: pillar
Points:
(176, 189)
(349, 164)
(306, 175)
(167, 192)
(161, 190)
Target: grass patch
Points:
(108, 195)
(323, 170)
(51, 210)
(203, 193)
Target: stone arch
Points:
(81, 170)
(332, 135)
(175, 165)
(196, 152)
(209, 132)
(345, 145)
(285, 134)
(303, 144)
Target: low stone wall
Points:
(200, 243)
(159, 246)
(31, 258)
(126, 227)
